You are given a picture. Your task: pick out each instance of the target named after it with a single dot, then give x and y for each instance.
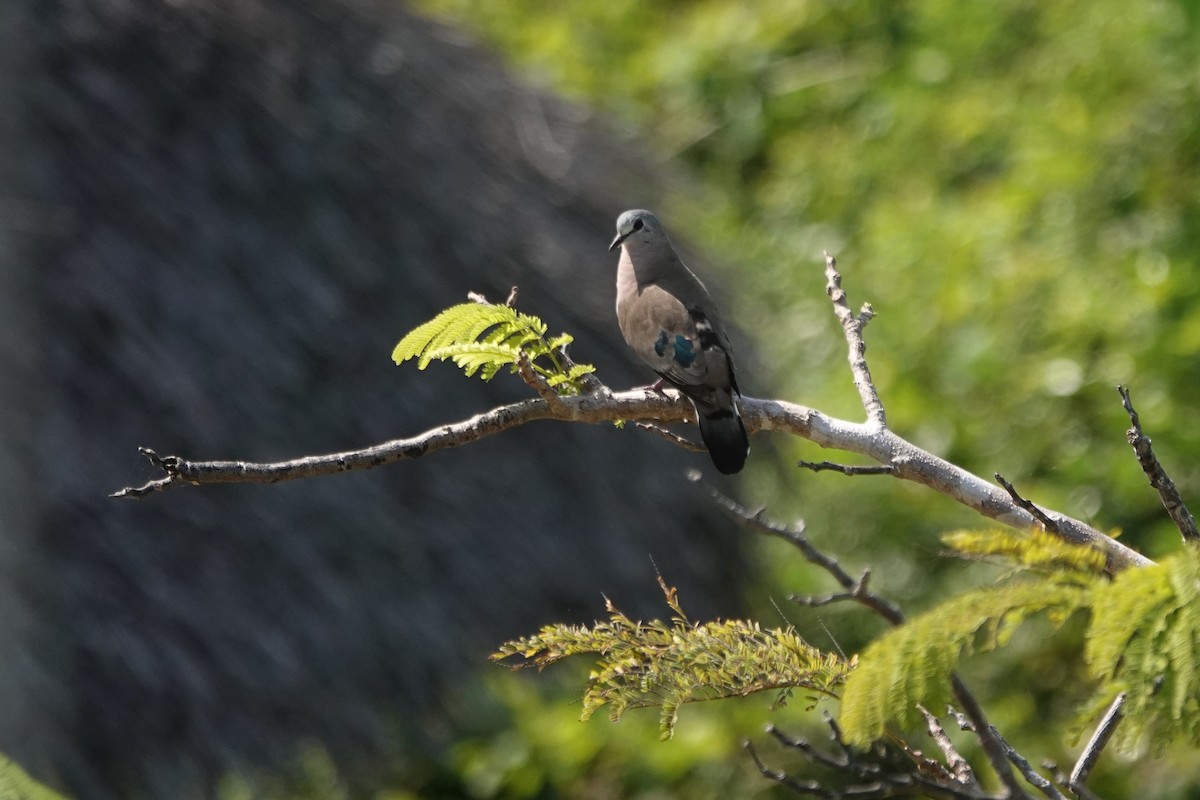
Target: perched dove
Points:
(668, 318)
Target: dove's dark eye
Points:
(638, 225)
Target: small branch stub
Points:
(1049, 525)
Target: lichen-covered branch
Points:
(1158, 476)
(852, 327)
(905, 459)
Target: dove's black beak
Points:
(616, 242)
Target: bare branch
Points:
(835, 733)
(847, 469)
(800, 787)
(852, 327)
(1049, 525)
(989, 739)
(591, 384)
(150, 487)
(845, 754)
(594, 408)
(960, 768)
(1091, 751)
(870, 774)
(859, 593)
(672, 437)
(1159, 479)
(905, 459)
(960, 719)
(818, 600)
(909, 462)
(1035, 779)
(872, 439)
(998, 751)
(534, 380)
(855, 589)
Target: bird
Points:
(669, 320)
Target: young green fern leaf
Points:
(667, 664)
(483, 338)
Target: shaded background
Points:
(220, 217)
(227, 212)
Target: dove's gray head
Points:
(636, 226)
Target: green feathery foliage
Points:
(911, 664)
(666, 664)
(15, 784)
(1145, 640)
(483, 337)
(1036, 550)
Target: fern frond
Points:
(1145, 639)
(482, 338)
(1033, 550)
(667, 664)
(911, 664)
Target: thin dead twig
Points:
(856, 589)
(672, 437)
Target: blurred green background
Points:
(1013, 186)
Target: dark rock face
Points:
(221, 215)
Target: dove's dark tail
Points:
(725, 437)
